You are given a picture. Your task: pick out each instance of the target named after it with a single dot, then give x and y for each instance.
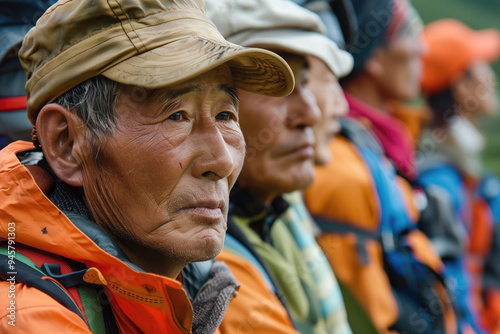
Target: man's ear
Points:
(60, 133)
(460, 89)
(373, 66)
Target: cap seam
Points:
(131, 27)
(137, 20)
(199, 38)
(56, 5)
(62, 63)
(93, 46)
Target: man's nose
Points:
(215, 158)
(303, 110)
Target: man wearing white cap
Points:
(269, 247)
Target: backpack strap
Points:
(28, 273)
(93, 299)
(387, 240)
(69, 280)
(48, 279)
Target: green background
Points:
(477, 14)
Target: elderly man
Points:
(137, 145)
(268, 247)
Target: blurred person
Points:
(459, 85)
(268, 247)
(339, 20)
(363, 200)
(136, 145)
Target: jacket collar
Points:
(141, 302)
(259, 216)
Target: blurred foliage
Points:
(478, 14)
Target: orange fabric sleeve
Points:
(360, 279)
(36, 312)
(256, 309)
(344, 190)
(408, 193)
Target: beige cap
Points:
(279, 25)
(146, 43)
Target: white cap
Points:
(278, 25)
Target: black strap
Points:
(327, 225)
(76, 278)
(330, 226)
(110, 325)
(344, 11)
(388, 241)
(68, 280)
(32, 277)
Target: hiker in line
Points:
(273, 255)
(136, 145)
(363, 199)
(459, 85)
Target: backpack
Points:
(42, 270)
(411, 274)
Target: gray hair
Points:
(94, 101)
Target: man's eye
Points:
(175, 116)
(223, 116)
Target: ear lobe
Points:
(373, 66)
(60, 135)
(459, 89)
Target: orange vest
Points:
(344, 191)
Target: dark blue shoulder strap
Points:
(27, 272)
(33, 277)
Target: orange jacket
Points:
(256, 308)
(344, 191)
(141, 302)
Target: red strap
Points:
(12, 103)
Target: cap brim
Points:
(255, 70)
(486, 45)
(299, 42)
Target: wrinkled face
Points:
(402, 68)
(331, 101)
(162, 184)
(279, 137)
(477, 92)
